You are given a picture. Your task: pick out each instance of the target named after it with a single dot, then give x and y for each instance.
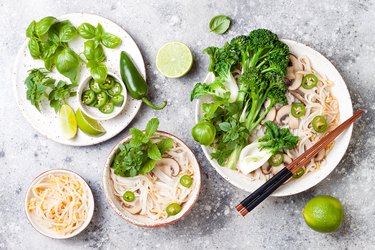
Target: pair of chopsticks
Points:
(255, 198)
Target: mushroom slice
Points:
(320, 155)
(266, 168)
(169, 166)
(293, 122)
(299, 95)
(133, 207)
(282, 116)
(297, 81)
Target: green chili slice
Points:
(173, 209)
(309, 81)
(319, 124)
(186, 181)
(298, 110)
(128, 196)
(276, 159)
(299, 173)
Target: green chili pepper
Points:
(134, 81)
(299, 173)
(276, 159)
(89, 97)
(309, 81)
(319, 124)
(101, 99)
(186, 181)
(298, 110)
(107, 108)
(129, 196)
(118, 100)
(94, 86)
(173, 209)
(115, 90)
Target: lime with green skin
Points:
(324, 214)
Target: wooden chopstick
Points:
(254, 199)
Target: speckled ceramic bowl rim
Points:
(91, 199)
(156, 224)
(117, 110)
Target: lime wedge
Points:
(174, 59)
(88, 125)
(68, 122)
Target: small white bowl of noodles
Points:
(59, 204)
(155, 191)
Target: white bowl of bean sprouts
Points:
(59, 204)
(156, 193)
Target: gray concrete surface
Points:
(343, 31)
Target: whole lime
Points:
(323, 214)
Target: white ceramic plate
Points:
(142, 221)
(340, 91)
(46, 122)
(38, 224)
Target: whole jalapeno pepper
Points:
(134, 81)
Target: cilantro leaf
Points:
(152, 126)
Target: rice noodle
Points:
(318, 101)
(157, 189)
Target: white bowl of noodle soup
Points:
(114, 186)
(339, 90)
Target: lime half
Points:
(89, 126)
(174, 59)
(68, 122)
(323, 214)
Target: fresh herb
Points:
(37, 84)
(93, 49)
(62, 91)
(238, 106)
(140, 154)
(41, 87)
(48, 41)
(220, 24)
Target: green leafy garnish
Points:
(220, 24)
(41, 87)
(140, 154)
(93, 49)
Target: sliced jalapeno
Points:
(309, 81)
(116, 89)
(108, 83)
(107, 108)
(94, 86)
(173, 209)
(299, 173)
(186, 181)
(298, 110)
(101, 99)
(319, 124)
(88, 97)
(276, 159)
(117, 100)
(128, 196)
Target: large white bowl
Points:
(340, 91)
(142, 221)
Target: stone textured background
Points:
(343, 31)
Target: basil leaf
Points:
(151, 127)
(220, 24)
(31, 29)
(86, 30)
(153, 152)
(48, 49)
(67, 31)
(147, 167)
(34, 48)
(92, 53)
(165, 145)
(99, 31)
(110, 41)
(99, 72)
(44, 25)
(67, 63)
